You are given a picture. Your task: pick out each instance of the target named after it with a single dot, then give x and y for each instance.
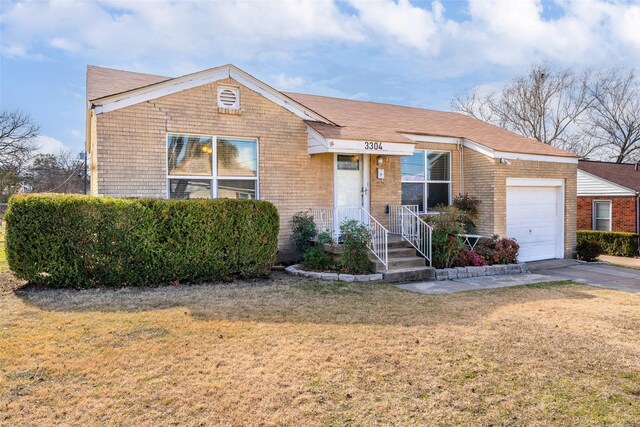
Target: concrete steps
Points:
(404, 263)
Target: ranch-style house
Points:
(223, 133)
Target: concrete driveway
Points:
(603, 275)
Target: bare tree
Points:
(17, 136)
(546, 105)
(614, 117)
(56, 173)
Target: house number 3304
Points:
(373, 145)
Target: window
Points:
(602, 215)
(346, 162)
(426, 175)
(203, 167)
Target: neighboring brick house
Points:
(608, 196)
(223, 133)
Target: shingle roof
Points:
(624, 174)
(103, 82)
(359, 120)
(385, 122)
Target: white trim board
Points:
(433, 138)
(517, 156)
(482, 149)
(168, 87)
(316, 143)
(535, 182)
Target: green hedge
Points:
(613, 242)
(83, 241)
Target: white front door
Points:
(351, 187)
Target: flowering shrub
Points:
(498, 250)
(468, 258)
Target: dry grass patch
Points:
(291, 351)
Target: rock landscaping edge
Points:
(296, 271)
(487, 270)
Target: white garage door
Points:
(534, 219)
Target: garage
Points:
(535, 217)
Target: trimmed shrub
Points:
(83, 241)
(316, 259)
(446, 243)
(498, 250)
(355, 254)
(588, 250)
(469, 258)
(303, 230)
(613, 242)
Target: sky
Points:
(416, 53)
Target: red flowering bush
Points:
(468, 258)
(498, 250)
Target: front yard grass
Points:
(290, 351)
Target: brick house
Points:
(223, 133)
(608, 196)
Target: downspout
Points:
(459, 146)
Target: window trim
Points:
(426, 182)
(594, 214)
(214, 167)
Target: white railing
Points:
(404, 220)
(395, 213)
(329, 219)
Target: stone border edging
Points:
(486, 270)
(295, 271)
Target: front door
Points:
(351, 188)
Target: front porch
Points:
(400, 249)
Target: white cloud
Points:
(177, 37)
(49, 145)
(284, 82)
(402, 23)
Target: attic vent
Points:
(229, 97)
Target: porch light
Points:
(380, 161)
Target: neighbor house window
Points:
(204, 167)
(602, 215)
(426, 179)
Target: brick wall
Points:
(131, 149)
(479, 181)
(623, 212)
(486, 179)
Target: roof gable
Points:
(624, 174)
(169, 86)
(592, 185)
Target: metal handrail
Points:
(395, 211)
(404, 220)
(378, 245)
